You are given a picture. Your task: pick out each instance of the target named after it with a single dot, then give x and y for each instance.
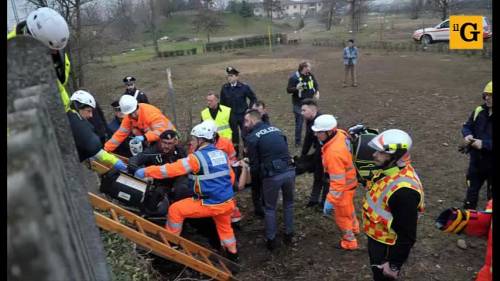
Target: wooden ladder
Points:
(160, 241)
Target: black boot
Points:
(271, 244)
(469, 206)
(288, 239)
(233, 257)
(311, 204)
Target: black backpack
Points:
(362, 154)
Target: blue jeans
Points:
(299, 121)
(271, 187)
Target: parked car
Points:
(441, 32)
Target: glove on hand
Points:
(120, 166)
(140, 173)
(138, 138)
(327, 208)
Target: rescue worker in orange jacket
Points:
(472, 223)
(143, 120)
(212, 179)
(391, 205)
(337, 162)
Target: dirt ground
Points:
(428, 95)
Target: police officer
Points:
(269, 157)
(131, 89)
(301, 85)
(234, 94)
(477, 132)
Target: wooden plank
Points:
(206, 259)
(114, 215)
(159, 248)
(148, 226)
(139, 227)
(98, 167)
(163, 238)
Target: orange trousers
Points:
(191, 208)
(344, 213)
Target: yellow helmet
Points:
(489, 88)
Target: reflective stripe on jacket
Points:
(221, 120)
(151, 123)
(209, 172)
(337, 162)
(377, 217)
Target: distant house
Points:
(288, 8)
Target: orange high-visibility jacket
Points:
(337, 162)
(151, 123)
(227, 146)
(187, 165)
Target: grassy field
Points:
(182, 35)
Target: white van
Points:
(441, 32)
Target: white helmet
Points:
(212, 124)
(391, 141)
(83, 97)
(128, 104)
(135, 147)
(49, 27)
(325, 122)
(203, 130)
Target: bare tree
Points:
(416, 8)
(329, 15)
(357, 11)
(271, 6)
(208, 21)
(443, 6)
(71, 11)
(153, 27)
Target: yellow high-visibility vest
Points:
(221, 120)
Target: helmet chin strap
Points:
(393, 161)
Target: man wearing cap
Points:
(146, 122)
(337, 162)
(167, 150)
(220, 114)
(130, 89)
(234, 94)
